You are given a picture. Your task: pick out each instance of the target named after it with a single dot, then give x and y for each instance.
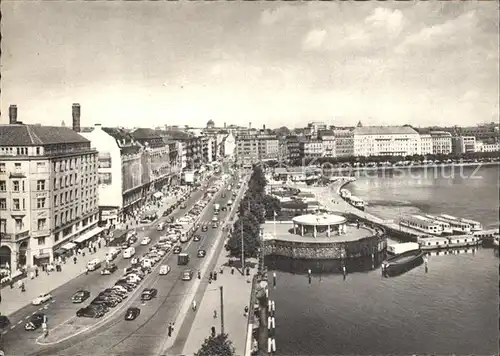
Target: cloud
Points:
(314, 39)
(389, 21)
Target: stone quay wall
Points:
(363, 247)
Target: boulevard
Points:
(113, 335)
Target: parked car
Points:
(187, 275)
(146, 240)
(35, 321)
(177, 250)
(204, 228)
(196, 238)
(132, 313)
(148, 294)
(42, 298)
(80, 296)
(89, 312)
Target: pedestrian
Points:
(213, 331)
(23, 288)
(221, 270)
(210, 276)
(170, 329)
(215, 276)
(36, 272)
(232, 270)
(245, 310)
(215, 314)
(199, 275)
(74, 260)
(194, 305)
(11, 284)
(86, 270)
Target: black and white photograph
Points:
(249, 178)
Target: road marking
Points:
(19, 322)
(12, 327)
(129, 299)
(28, 317)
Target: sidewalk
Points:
(237, 291)
(14, 299)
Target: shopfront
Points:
(87, 237)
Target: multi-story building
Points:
(426, 144)
(48, 192)
(481, 132)
(314, 127)
(463, 144)
(293, 147)
(228, 145)
(386, 141)
(441, 142)
(329, 143)
(251, 149)
(344, 142)
(485, 146)
(310, 149)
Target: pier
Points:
(330, 199)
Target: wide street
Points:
(113, 335)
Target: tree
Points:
(271, 205)
(218, 345)
(251, 238)
(254, 205)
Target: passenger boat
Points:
(421, 223)
(445, 226)
(463, 241)
(474, 225)
(433, 243)
(345, 193)
(402, 263)
(453, 251)
(456, 224)
(357, 202)
(397, 249)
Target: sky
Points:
(147, 64)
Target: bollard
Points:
(274, 279)
(273, 306)
(269, 304)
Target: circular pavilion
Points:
(319, 225)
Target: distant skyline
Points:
(275, 63)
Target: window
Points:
(55, 183)
(41, 224)
(40, 203)
(17, 166)
(15, 185)
(61, 184)
(16, 205)
(40, 184)
(41, 241)
(2, 168)
(38, 150)
(23, 186)
(3, 204)
(19, 225)
(3, 186)
(56, 221)
(3, 226)
(55, 200)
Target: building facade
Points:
(464, 144)
(48, 193)
(386, 141)
(441, 142)
(328, 139)
(251, 149)
(344, 143)
(426, 144)
(484, 146)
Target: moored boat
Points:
(397, 249)
(463, 241)
(445, 226)
(421, 223)
(456, 224)
(357, 202)
(403, 262)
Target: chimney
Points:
(249, 125)
(264, 127)
(76, 117)
(13, 114)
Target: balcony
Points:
(17, 174)
(15, 212)
(40, 233)
(14, 237)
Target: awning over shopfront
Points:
(88, 235)
(41, 256)
(68, 246)
(158, 195)
(59, 251)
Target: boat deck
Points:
(284, 231)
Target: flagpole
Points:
(274, 224)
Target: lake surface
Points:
(452, 308)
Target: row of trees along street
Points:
(255, 208)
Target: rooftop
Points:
(34, 135)
(385, 130)
(319, 220)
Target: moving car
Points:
(201, 253)
(146, 240)
(109, 269)
(177, 250)
(196, 238)
(148, 294)
(36, 320)
(80, 296)
(42, 298)
(132, 313)
(187, 275)
(215, 225)
(204, 228)
(183, 206)
(164, 269)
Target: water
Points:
(451, 309)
